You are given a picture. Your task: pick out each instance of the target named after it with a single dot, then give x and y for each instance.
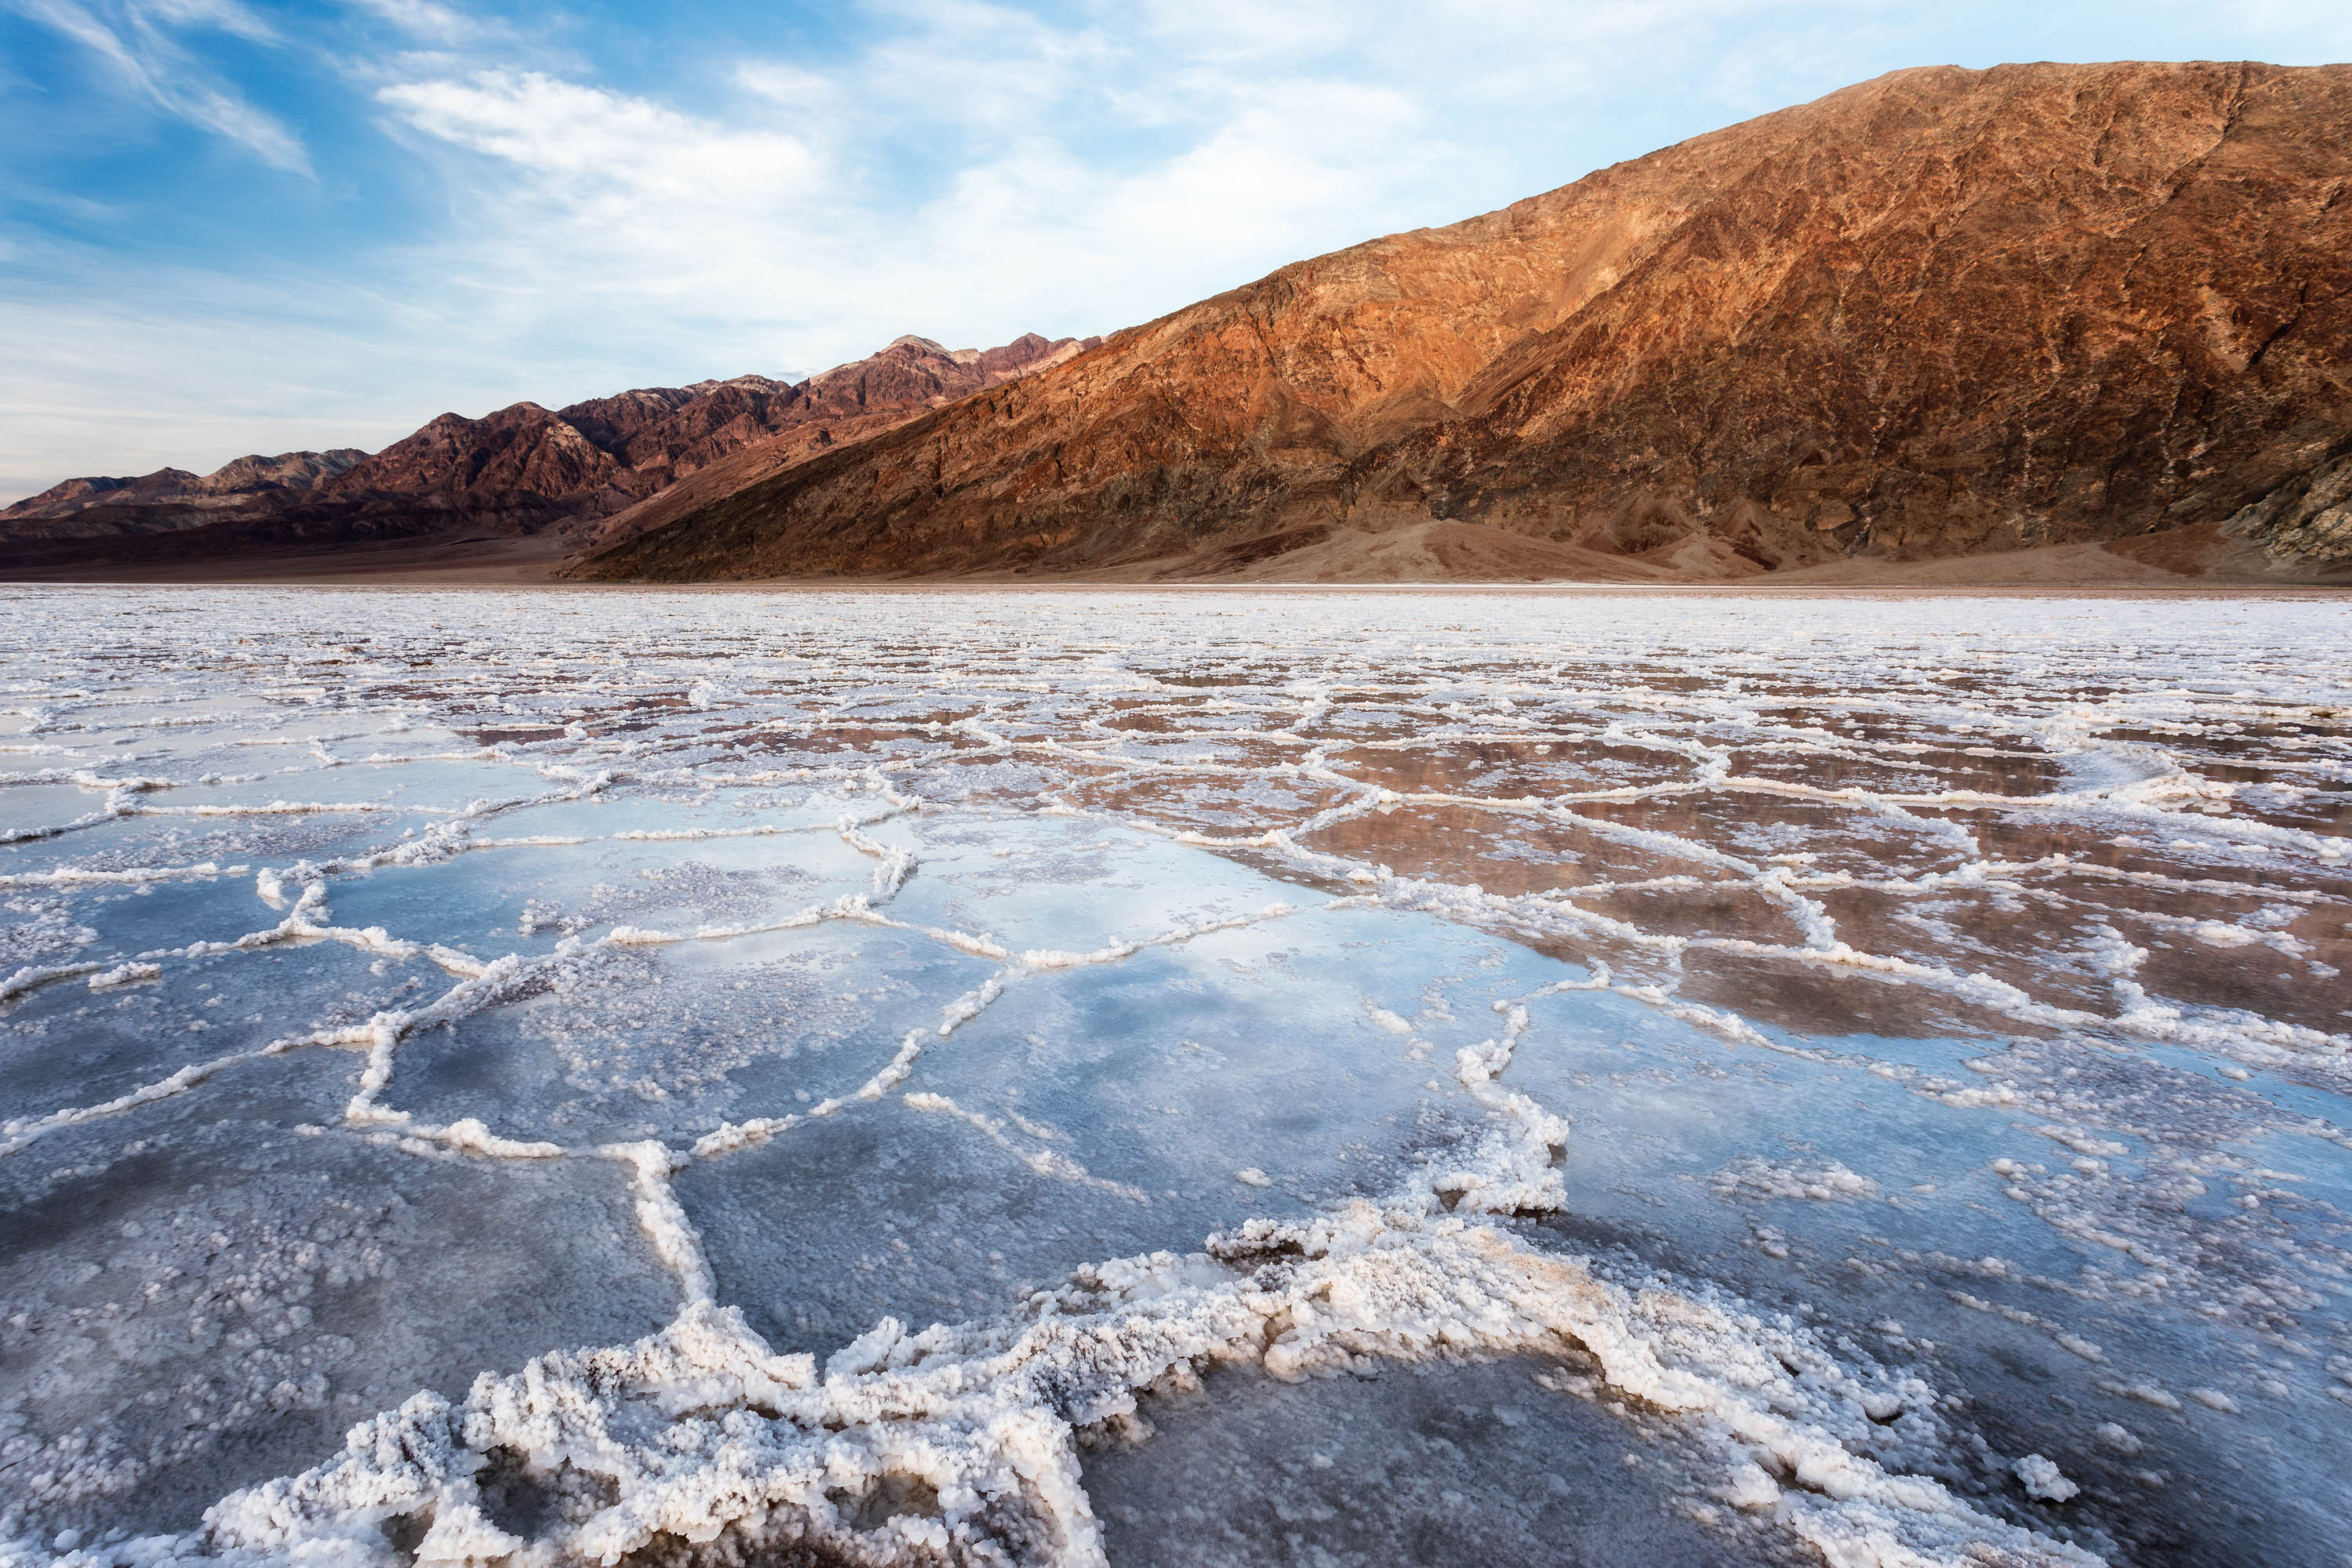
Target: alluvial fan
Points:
(1061, 1078)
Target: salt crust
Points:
(698, 1443)
(699, 1434)
(699, 1437)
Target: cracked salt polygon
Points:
(877, 978)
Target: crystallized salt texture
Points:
(915, 1079)
(2043, 1480)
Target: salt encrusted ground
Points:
(1205, 1079)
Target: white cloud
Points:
(788, 87)
(133, 38)
(1081, 202)
(605, 156)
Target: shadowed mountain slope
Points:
(519, 471)
(170, 498)
(1941, 313)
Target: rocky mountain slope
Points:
(518, 471)
(1942, 313)
(89, 507)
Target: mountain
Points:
(169, 498)
(1939, 314)
(514, 474)
(846, 403)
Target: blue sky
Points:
(229, 225)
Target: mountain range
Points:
(2100, 315)
(517, 473)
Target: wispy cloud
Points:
(605, 155)
(222, 16)
(429, 20)
(135, 40)
(1093, 182)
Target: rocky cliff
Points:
(1944, 312)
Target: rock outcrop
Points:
(2307, 522)
(520, 470)
(1941, 313)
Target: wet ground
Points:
(1188, 1078)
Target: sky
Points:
(234, 226)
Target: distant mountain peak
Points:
(251, 474)
(521, 468)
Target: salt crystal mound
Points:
(1885, 1059)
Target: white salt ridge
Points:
(126, 974)
(33, 977)
(701, 1430)
(143, 877)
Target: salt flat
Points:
(1194, 1078)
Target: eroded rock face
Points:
(2307, 521)
(1943, 313)
(916, 373)
(518, 463)
(291, 470)
(521, 469)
